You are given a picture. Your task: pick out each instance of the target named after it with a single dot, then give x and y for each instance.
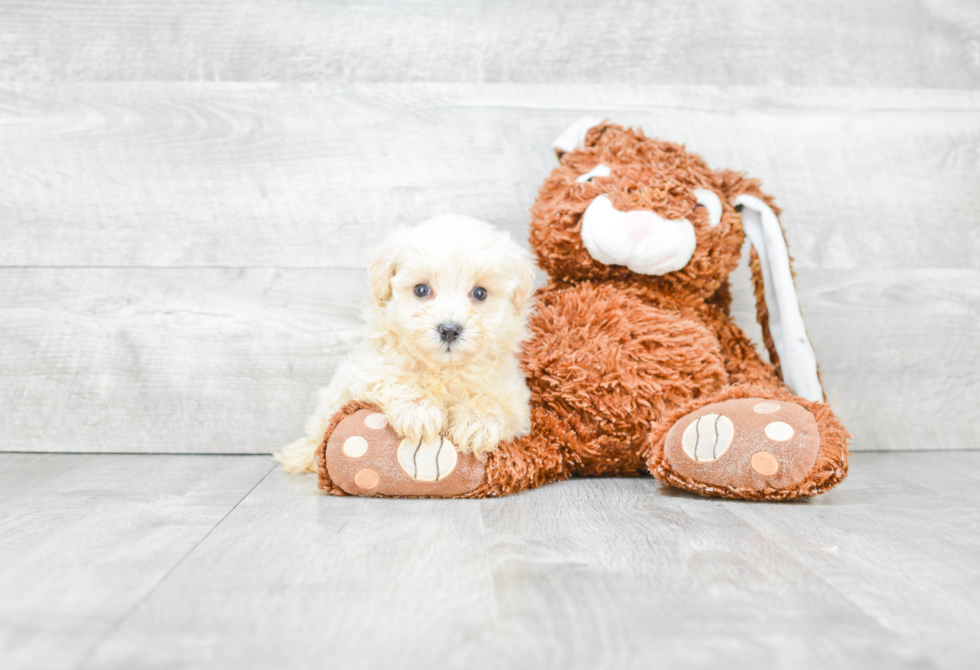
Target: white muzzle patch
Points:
(644, 242)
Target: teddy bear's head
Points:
(625, 206)
(641, 212)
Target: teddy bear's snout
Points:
(641, 224)
(640, 239)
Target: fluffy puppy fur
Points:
(468, 386)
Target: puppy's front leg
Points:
(476, 425)
(416, 419)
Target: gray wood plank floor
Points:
(84, 540)
(213, 561)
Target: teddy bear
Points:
(634, 363)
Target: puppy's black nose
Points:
(449, 331)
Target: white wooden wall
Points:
(189, 190)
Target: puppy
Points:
(450, 310)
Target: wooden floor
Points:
(189, 191)
(136, 561)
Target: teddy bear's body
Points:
(612, 363)
(634, 364)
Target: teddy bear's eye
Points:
(599, 170)
(479, 293)
(422, 290)
(710, 201)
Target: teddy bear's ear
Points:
(574, 136)
(776, 302)
(381, 271)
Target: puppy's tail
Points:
(299, 457)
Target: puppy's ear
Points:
(381, 271)
(524, 274)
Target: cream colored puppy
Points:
(450, 309)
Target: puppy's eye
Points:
(479, 293)
(423, 290)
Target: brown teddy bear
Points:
(634, 364)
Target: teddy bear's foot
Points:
(365, 457)
(754, 448)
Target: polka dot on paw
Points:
(355, 446)
(779, 431)
(366, 479)
(765, 463)
(376, 421)
(766, 408)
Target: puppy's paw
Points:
(417, 420)
(476, 432)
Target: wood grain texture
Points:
(899, 351)
(85, 539)
(881, 572)
(763, 42)
(398, 580)
(267, 175)
(227, 361)
(199, 361)
(915, 573)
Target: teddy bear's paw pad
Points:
(427, 461)
(752, 443)
(365, 457)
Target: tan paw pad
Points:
(364, 456)
(751, 443)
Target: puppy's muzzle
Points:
(449, 332)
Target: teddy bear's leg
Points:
(538, 458)
(362, 455)
(751, 443)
